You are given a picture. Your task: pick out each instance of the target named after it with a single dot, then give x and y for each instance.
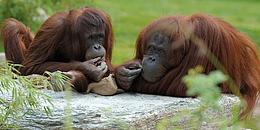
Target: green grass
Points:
(130, 16)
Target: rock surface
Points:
(138, 111)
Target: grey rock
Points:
(122, 111)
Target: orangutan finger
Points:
(105, 69)
(127, 78)
(93, 61)
(128, 72)
(135, 65)
(102, 66)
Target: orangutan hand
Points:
(126, 74)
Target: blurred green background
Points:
(130, 16)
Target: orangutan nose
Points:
(97, 47)
(151, 59)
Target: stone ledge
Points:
(138, 111)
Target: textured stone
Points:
(127, 110)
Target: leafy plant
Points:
(207, 90)
(18, 95)
(30, 12)
(33, 12)
(205, 87)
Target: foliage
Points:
(33, 12)
(30, 12)
(207, 90)
(205, 87)
(18, 95)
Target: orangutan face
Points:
(155, 62)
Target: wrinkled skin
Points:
(154, 65)
(155, 61)
(95, 64)
(126, 74)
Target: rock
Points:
(106, 87)
(126, 111)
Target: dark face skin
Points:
(95, 42)
(155, 62)
(95, 63)
(154, 65)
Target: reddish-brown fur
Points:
(56, 45)
(194, 38)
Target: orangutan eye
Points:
(100, 39)
(151, 48)
(161, 51)
(97, 38)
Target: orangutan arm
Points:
(88, 68)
